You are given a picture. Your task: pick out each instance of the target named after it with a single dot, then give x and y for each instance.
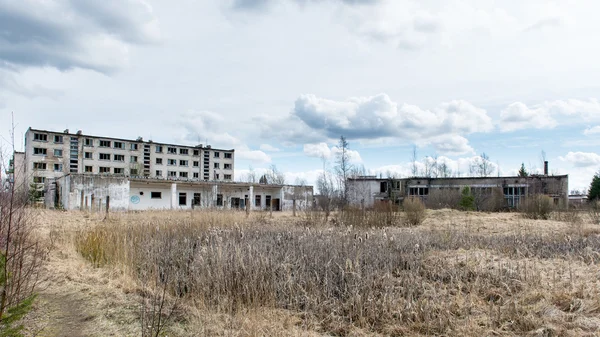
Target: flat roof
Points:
(207, 147)
(462, 178)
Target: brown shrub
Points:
(415, 212)
(537, 206)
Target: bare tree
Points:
(481, 166)
(413, 159)
(444, 170)
(274, 176)
(343, 168)
(327, 192)
(20, 254)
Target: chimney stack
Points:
(545, 167)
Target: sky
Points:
(280, 81)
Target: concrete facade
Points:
(369, 190)
(50, 154)
(81, 191)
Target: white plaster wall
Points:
(302, 194)
(145, 200)
(363, 190)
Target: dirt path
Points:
(75, 299)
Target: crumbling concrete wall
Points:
(77, 188)
(302, 194)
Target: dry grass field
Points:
(207, 273)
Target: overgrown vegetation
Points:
(341, 278)
(414, 210)
(467, 201)
(537, 206)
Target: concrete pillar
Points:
(215, 191)
(174, 196)
(281, 196)
(251, 198)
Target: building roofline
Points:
(131, 140)
(181, 181)
(461, 178)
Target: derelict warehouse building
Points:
(439, 192)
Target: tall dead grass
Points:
(340, 278)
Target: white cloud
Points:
(544, 116)
(322, 150)
(269, 148)
(317, 119)
(74, 34)
(582, 159)
(592, 131)
(208, 126)
(518, 116)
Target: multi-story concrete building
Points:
(77, 171)
(51, 154)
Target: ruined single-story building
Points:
(94, 191)
(368, 190)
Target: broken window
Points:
(58, 167)
(183, 151)
(196, 163)
(216, 165)
(133, 159)
(119, 157)
(216, 176)
(133, 171)
(183, 163)
(58, 139)
(172, 174)
(88, 155)
(227, 176)
(183, 174)
(104, 169)
(105, 143)
(171, 162)
(196, 152)
(39, 151)
(133, 146)
(104, 156)
(219, 199)
(158, 173)
(228, 155)
(196, 175)
(196, 198)
(58, 153)
(89, 169)
(89, 142)
(39, 166)
(119, 145)
(118, 170)
(159, 161)
(257, 200)
(155, 195)
(158, 149)
(172, 150)
(383, 187)
(39, 180)
(227, 166)
(40, 137)
(182, 199)
(217, 154)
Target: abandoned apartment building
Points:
(77, 171)
(442, 192)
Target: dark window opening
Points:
(219, 199)
(196, 199)
(257, 200)
(383, 187)
(155, 195)
(182, 199)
